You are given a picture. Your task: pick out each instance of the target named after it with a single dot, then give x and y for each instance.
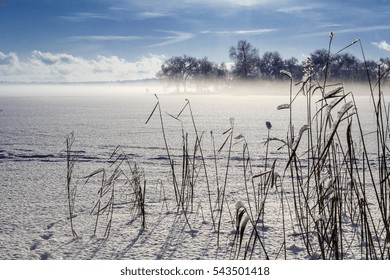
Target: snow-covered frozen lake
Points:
(35, 121)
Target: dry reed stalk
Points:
(230, 138)
(71, 188)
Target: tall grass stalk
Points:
(230, 139)
(171, 163)
(71, 188)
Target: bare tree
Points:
(270, 66)
(246, 58)
(179, 69)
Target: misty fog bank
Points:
(266, 88)
(276, 88)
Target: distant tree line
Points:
(247, 65)
(179, 70)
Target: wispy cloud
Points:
(169, 6)
(241, 32)
(382, 45)
(224, 3)
(331, 25)
(364, 29)
(298, 9)
(246, 3)
(102, 38)
(62, 67)
(355, 30)
(173, 38)
(177, 37)
(80, 17)
(150, 15)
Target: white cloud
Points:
(51, 59)
(8, 59)
(382, 45)
(60, 67)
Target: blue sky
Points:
(88, 40)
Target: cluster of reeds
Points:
(184, 178)
(332, 174)
(120, 184)
(333, 195)
(193, 168)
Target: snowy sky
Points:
(95, 40)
